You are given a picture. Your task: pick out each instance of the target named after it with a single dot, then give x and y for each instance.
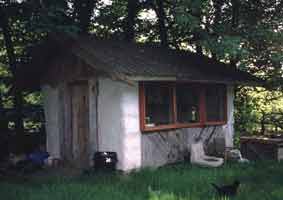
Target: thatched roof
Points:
(127, 61)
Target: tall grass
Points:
(179, 182)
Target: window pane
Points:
(215, 102)
(158, 105)
(187, 98)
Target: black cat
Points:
(227, 190)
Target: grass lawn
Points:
(178, 182)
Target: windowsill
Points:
(178, 126)
(216, 123)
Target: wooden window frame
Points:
(175, 125)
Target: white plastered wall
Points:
(118, 122)
(52, 119)
(119, 131)
(229, 127)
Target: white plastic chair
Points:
(198, 156)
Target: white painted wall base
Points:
(172, 146)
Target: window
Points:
(158, 105)
(180, 105)
(215, 103)
(187, 100)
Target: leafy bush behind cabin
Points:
(258, 111)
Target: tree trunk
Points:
(235, 22)
(217, 6)
(161, 23)
(18, 97)
(132, 9)
(235, 13)
(3, 121)
(217, 18)
(262, 123)
(199, 49)
(83, 10)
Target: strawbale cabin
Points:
(146, 103)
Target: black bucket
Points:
(105, 160)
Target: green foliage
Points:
(28, 23)
(257, 107)
(248, 32)
(34, 98)
(109, 19)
